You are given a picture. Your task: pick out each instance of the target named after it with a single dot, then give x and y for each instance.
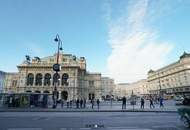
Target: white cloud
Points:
(135, 47)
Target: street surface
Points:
(90, 120)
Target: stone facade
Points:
(94, 85)
(2, 79)
(171, 79)
(120, 90)
(139, 88)
(107, 87)
(74, 81)
(10, 82)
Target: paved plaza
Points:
(109, 117)
(90, 121)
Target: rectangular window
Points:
(91, 83)
(51, 60)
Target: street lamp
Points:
(56, 68)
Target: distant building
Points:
(107, 87)
(2, 79)
(94, 85)
(171, 79)
(138, 88)
(120, 90)
(11, 82)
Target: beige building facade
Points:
(120, 90)
(37, 76)
(10, 82)
(139, 88)
(107, 87)
(171, 79)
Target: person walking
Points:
(62, 103)
(151, 103)
(81, 103)
(84, 104)
(71, 103)
(67, 103)
(142, 103)
(10, 101)
(77, 103)
(98, 103)
(161, 102)
(92, 103)
(124, 102)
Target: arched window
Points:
(28, 91)
(38, 79)
(56, 79)
(65, 77)
(30, 79)
(47, 79)
(46, 91)
(64, 95)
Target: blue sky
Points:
(122, 39)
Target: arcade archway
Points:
(64, 95)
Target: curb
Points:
(53, 110)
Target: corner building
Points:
(171, 79)
(37, 76)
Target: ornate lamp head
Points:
(56, 38)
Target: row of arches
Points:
(64, 94)
(37, 80)
(37, 91)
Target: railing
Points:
(25, 100)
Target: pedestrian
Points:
(124, 102)
(158, 99)
(44, 101)
(84, 104)
(77, 103)
(142, 103)
(71, 103)
(92, 103)
(81, 103)
(67, 103)
(161, 102)
(98, 103)
(62, 103)
(10, 101)
(151, 103)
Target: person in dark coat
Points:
(151, 103)
(77, 103)
(98, 103)
(71, 103)
(81, 103)
(161, 102)
(92, 103)
(124, 100)
(84, 104)
(142, 103)
(67, 103)
(45, 101)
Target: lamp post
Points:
(56, 68)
